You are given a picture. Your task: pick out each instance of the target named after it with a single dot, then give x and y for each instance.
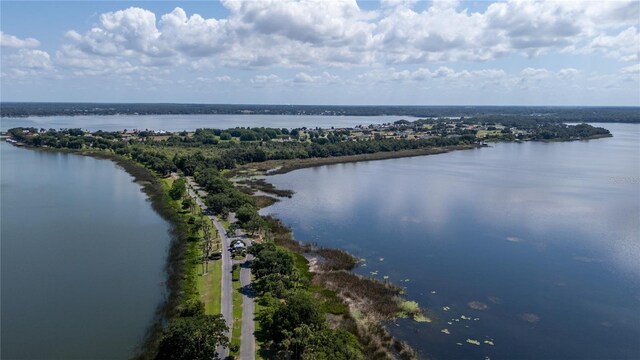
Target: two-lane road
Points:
(226, 307)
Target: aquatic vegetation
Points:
(386, 277)
(474, 342)
(514, 239)
(374, 273)
(464, 317)
(489, 342)
(410, 307)
(446, 308)
(449, 322)
(445, 331)
(528, 317)
(421, 318)
(477, 305)
(476, 319)
(459, 344)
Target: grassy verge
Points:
(236, 331)
(209, 288)
(257, 308)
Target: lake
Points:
(537, 244)
(191, 122)
(82, 260)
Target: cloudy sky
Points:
(323, 52)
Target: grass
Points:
(209, 288)
(257, 308)
(485, 133)
(335, 259)
(284, 166)
(236, 330)
(262, 185)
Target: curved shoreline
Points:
(174, 270)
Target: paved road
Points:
(226, 295)
(247, 346)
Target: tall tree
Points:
(193, 338)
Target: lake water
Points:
(191, 122)
(82, 257)
(544, 237)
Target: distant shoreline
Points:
(276, 167)
(623, 114)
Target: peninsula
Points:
(225, 253)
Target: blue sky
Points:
(322, 52)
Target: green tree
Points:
(312, 343)
(178, 189)
(192, 338)
(246, 213)
(298, 308)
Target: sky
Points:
(338, 52)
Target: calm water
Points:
(546, 236)
(82, 257)
(191, 122)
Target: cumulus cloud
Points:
(307, 33)
(31, 59)
(10, 41)
(425, 74)
(568, 73)
(325, 77)
(28, 63)
(266, 79)
(533, 73)
(624, 46)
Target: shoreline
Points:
(151, 186)
(277, 167)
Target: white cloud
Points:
(10, 41)
(535, 74)
(624, 46)
(307, 33)
(633, 69)
(266, 79)
(568, 73)
(31, 59)
(325, 77)
(194, 36)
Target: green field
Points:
(209, 288)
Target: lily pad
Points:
(473, 342)
(421, 318)
(531, 318)
(477, 305)
(445, 331)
